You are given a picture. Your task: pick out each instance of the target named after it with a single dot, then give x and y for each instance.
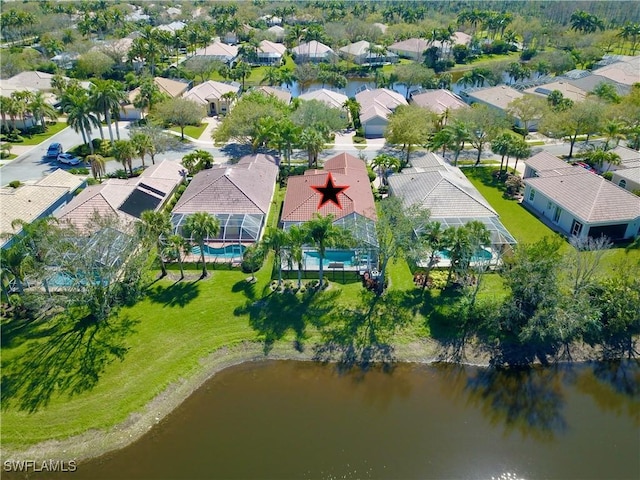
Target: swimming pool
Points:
(230, 251)
(481, 255)
(60, 279)
(312, 258)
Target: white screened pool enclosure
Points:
(236, 228)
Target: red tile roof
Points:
(301, 201)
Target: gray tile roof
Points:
(444, 193)
(246, 187)
(588, 197)
(438, 101)
(544, 161)
(499, 96)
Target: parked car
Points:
(69, 159)
(54, 150)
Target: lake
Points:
(286, 419)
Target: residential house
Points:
(278, 33)
(21, 121)
(36, 80)
(625, 71)
(37, 200)
(628, 178)
(356, 212)
(225, 53)
(568, 90)
(125, 199)
(579, 203)
(313, 51)
(439, 101)
(450, 197)
(375, 108)
(629, 158)
(283, 95)
(498, 98)
(413, 48)
(239, 195)
(166, 86)
(328, 97)
(217, 97)
(65, 60)
(364, 53)
(172, 27)
(269, 53)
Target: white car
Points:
(69, 159)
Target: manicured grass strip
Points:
(192, 131)
(38, 138)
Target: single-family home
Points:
(625, 71)
(223, 52)
(438, 101)
(375, 108)
(412, 48)
(628, 178)
(568, 90)
(125, 199)
(239, 195)
(172, 27)
(328, 97)
(498, 98)
(37, 81)
(269, 53)
(278, 33)
(283, 95)
(36, 200)
(166, 86)
(217, 97)
(271, 19)
(313, 51)
(451, 198)
(365, 53)
(577, 202)
(9, 122)
(353, 209)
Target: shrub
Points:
(528, 54)
(252, 259)
(181, 189)
(359, 139)
(15, 184)
(79, 171)
(607, 175)
(372, 175)
(92, 181)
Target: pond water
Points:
(285, 419)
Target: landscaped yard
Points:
(38, 138)
(193, 131)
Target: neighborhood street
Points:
(33, 165)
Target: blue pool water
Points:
(312, 258)
(230, 251)
(481, 255)
(60, 279)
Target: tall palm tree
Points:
(458, 242)
(77, 104)
(154, 228)
(175, 247)
(276, 240)
(313, 141)
(107, 95)
(613, 130)
(383, 163)
(296, 237)
(322, 233)
(198, 227)
(97, 164)
(352, 107)
(271, 76)
(148, 95)
(458, 135)
(142, 144)
(519, 149)
(41, 109)
(124, 151)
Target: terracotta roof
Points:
(499, 96)
(588, 197)
(438, 101)
(280, 94)
(301, 201)
(209, 91)
(29, 202)
(245, 187)
(329, 97)
(416, 45)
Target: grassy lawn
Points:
(193, 131)
(38, 138)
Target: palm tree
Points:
(142, 145)
(287, 135)
(458, 135)
(106, 96)
(296, 237)
(240, 72)
(276, 240)
(77, 104)
(519, 149)
(501, 145)
(271, 76)
(458, 243)
(124, 151)
(383, 163)
(13, 260)
(353, 109)
(432, 235)
(613, 130)
(321, 232)
(97, 164)
(154, 228)
(41, 109)
(175, 246)
(198, 227)
(313, 141)
(599, 156)
(631, 31)
(148, 95)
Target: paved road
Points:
(33, 165)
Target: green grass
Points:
(38, 138)
(193, 131)
(11, 156)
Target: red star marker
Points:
(330, 192)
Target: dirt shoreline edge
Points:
(95, 443)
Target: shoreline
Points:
(96, 443)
